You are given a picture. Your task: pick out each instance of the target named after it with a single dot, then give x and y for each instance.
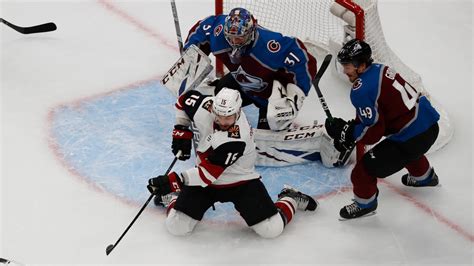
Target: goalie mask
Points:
(239, 28)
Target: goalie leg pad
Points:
(289, 147)
(329, 154)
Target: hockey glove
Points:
(342, 132)
(182, 138)
(164, 184)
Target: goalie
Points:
(270, 70)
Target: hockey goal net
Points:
(324, 26)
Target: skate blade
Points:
(363, 216)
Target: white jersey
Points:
(225, 158)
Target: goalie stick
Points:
(50, 26)
(176, 26)
(345, 155)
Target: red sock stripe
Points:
(287, 208)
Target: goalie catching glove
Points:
(182, 141)
(342, 132)
(283, 105)
(164, 184)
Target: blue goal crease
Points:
(122, 139)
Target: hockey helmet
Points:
(227, 102)
(355, 52)
(239, 28)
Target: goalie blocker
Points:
(188, 72)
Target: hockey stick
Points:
(344, 156)
(316, 80)
(111, 247)
(50, 26)
(176, 26)
(181, 50)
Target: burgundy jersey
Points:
(271, 56)
(387, 105)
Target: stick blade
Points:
(50, 26)
(324, 66)
(109, 249)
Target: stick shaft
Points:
(143, 208)
(322, 69)
(345, 155)
(176, 25)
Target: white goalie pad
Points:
(289, 147)
(329, 154)
(295, 146)
(188, 72)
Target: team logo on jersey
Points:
(207, 105)
(218, 30)
(247, 81)
(234, 132)
(273, 46)
(357, 84)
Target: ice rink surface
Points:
(85, 123)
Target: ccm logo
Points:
(300, 136)
(172, 71)
(178, 133)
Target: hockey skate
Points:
(355, 210)
(303, 201)
(431, 181)
(165, 200)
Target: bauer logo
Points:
(125, 139)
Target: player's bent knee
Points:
(375, 167)
(270, 227)
(180, 224)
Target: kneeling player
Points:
(225, 169)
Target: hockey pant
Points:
(251, 200)
(389, 157)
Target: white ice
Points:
(51, 216)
